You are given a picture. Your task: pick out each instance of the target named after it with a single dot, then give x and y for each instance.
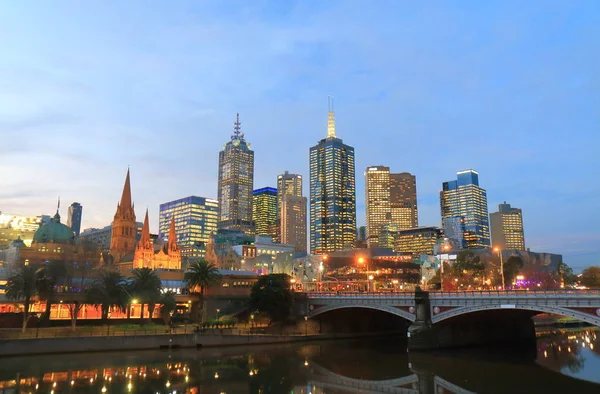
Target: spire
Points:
(172, 241)
(145, 241)
(57, 215)
(330, 119)
(126, 196)
(237, 130)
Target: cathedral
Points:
(128, 252)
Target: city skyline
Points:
(64, 109)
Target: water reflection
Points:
(564, 361)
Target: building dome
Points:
(54, 231)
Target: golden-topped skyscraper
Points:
(332, 193)
(236, 182)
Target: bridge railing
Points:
(513, 293)
(361, 294)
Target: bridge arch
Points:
(383, 308)
(566, 312)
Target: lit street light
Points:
(305, 325)
(499, 251)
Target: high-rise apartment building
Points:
(293, 221)
(391, 199)
(464, 198)
(236, 181)
(74, 218)
(264, 211)
(195, 220)
(507, 228)
(332, 193)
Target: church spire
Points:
(330, 119)
(172, 241)
(145, 241)
(126, 196)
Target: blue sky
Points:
(509, 88)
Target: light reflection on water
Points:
(564, 361)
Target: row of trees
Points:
(105, 289)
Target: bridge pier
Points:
(480, 328)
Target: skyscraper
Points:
(264, 210)
(236, 181)
(332, 193)
(377, 200)
(195, 220)
(507, 228)
(74, 218)
(403, 200)
(391, 199)
(288, 184)
(293, 221)
(465, 199)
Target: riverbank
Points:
(37, 346)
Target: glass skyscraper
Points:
(236, 182)
(74, 218)
(195, 220)
(463, 198)
(332, 194)
(264, 211)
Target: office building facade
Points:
(288, 184)
(264, 211)
(403, 200)
(74, 218)
(236, 183)
(332, 193)
(293, 221)
(195, 220)
(465, 199)
(507, 228)
(418, 241)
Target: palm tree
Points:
(50, 274)
(146, 285)
(108, 291)
(168, 306)
(23, 286)
(200, 275)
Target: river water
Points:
(562, 362)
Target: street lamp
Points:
(252, 319)
(361, 261)
(499, 251)
(305, 325)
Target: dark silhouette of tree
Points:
(199, 276)
(146, 286)
(23, 285)
(108, 291)
(271, 294)
(512, 267)
(590, 277)
(50, 275)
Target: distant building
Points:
(288, 184)
(236, 182)
(17, 226)
(454, 230)
(391, 199)
(195, 220)
(332, 193)
(418, 240)
(507, 228)
(74, 218)
(293, 221)
(264, 211)
(101, 236)
(464, 198)
(387, 236)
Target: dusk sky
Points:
(508, 88)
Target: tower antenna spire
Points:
(237, 130)
(330, 119)
(58, 205)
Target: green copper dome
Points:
(54, 231)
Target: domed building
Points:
(53, 241)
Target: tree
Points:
(76, 277)
(200, 275)
(512, 267)
(468, 269)
(271, 294)
(566, 275)
(590, 277)
(168, 305)
(50, 275)
(146, 286)
(23, 286)
(107, 291)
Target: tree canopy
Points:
(271, 294)
(590, 277)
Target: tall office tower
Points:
(264, 210)
(236, 182)
(403, 200)
(124, 229)
(195, 220)
(74, 218)
(507, 228)
(288, 184)
(391, 199)
(332, 193)
(293, 221)
(377, 199)
(464, 198)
